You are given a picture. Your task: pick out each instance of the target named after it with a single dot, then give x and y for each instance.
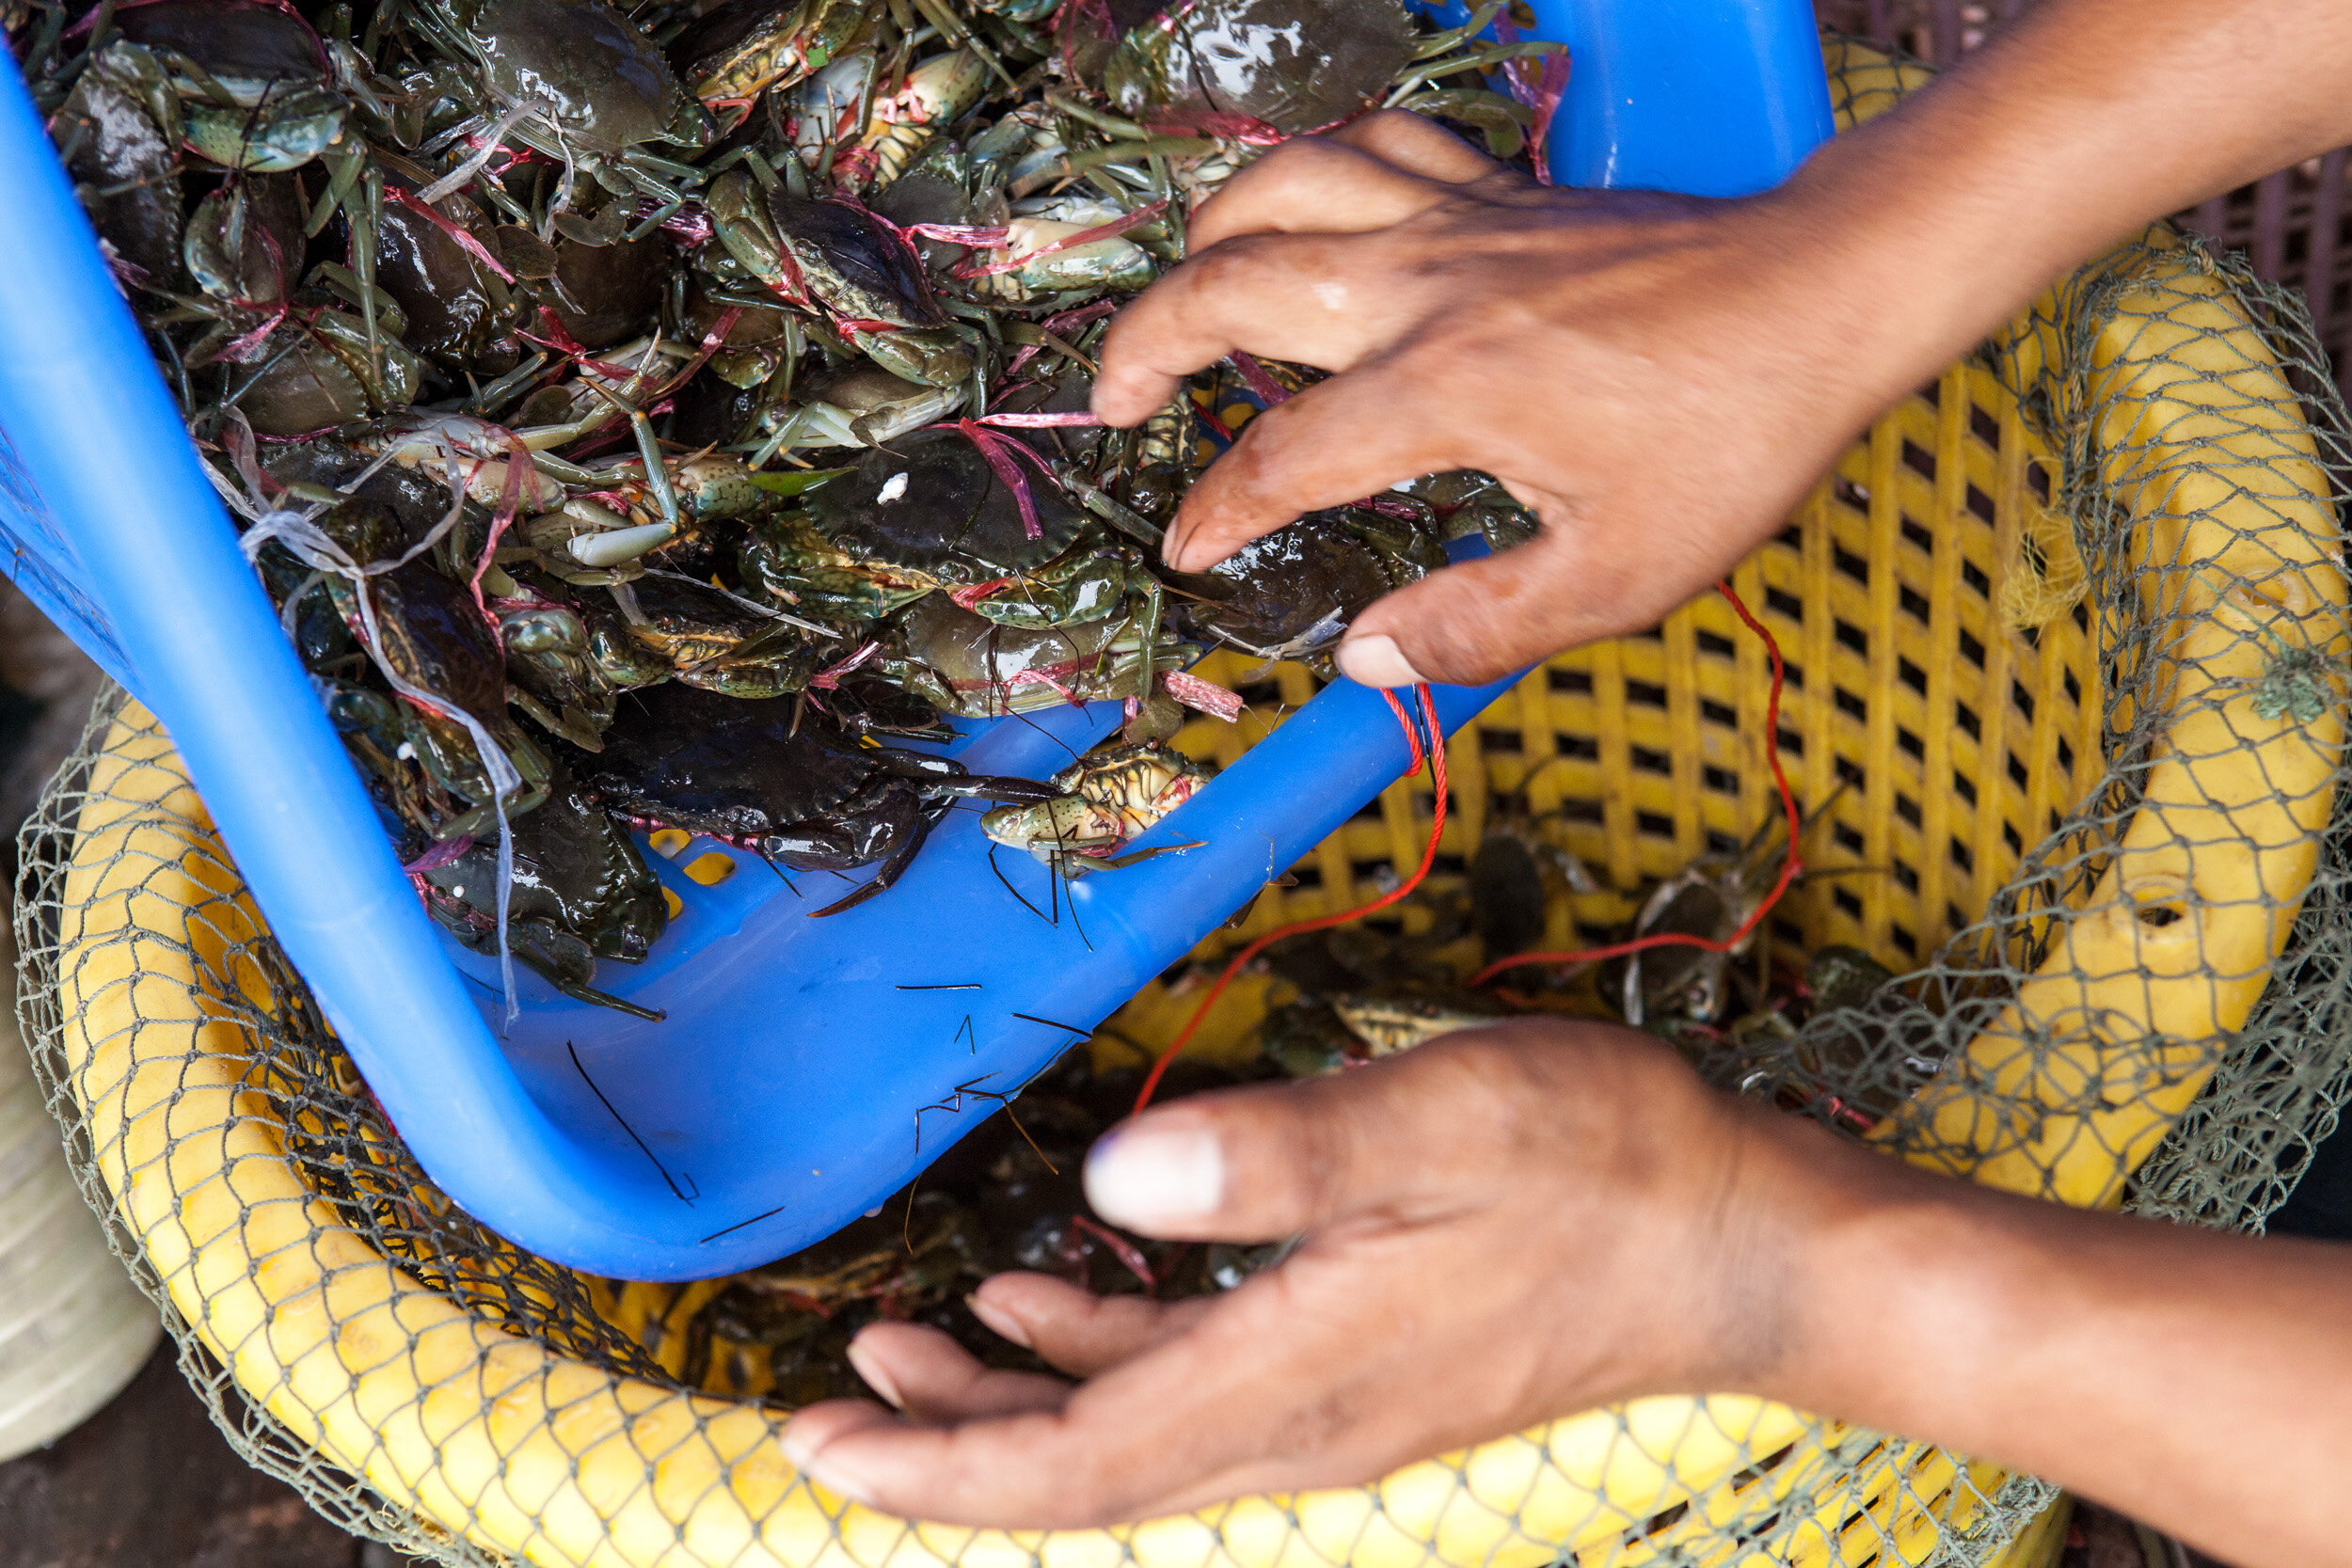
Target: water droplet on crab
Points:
(893, 489)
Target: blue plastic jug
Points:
(779, 1099)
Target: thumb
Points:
(1485, 619)
(1249, 1164)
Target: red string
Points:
(1436, 754)
(1789, 868)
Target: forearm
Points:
(2199, 1380)
(2070, 128)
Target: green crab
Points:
(1260, 69)
(423, 740)
(1042, 273)
(939, 506)
(315, 369)
(669, 627)
(1290, 594)
(125, 165)
(580, 892)
(550, 676)
(575, 81)
(428, 634)
(860, 405)
(980, 668)
(745, 47)
(242, 84)
(1108, 797)
(785, 559)
(1470, 503)
(840, 258)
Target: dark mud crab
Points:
(1290, 594)
(574, 81)
(249, 85)
(690, 631)
(800, 795)
(443, 737)
(739, 49)
(981, 669)
(1260, 70)
(580, 892)
(939, 507)
(841, 257)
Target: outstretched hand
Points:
(1659, 378)
(1499, 1227)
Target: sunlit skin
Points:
(1521, 1222)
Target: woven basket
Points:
(1961, 745)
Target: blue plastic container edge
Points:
(237, 703)
(279, 782)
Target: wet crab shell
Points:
(933, 505)
(605, 82)
(617, 287)
(745, 47)
(735, 768)
(1295, 65)
(245, 240)
(702, 633)
(311, 375)
(431, 633)
(1314, 573)
(575, 867)
(282, 107)
(978, 667)
(244, 46)
(121, 166)
(852, 262)
(455, 305)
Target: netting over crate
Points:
(2067, 647)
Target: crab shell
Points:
(746, 46)
(1293, 65)
(1111, 797)
(932, 505)
(122, 166)
(604, 82)
(283, 108)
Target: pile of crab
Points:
(668, 419)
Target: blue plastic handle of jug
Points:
(1705, 97)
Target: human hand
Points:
(1661, 378)
(1502, 1227)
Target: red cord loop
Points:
(1789, 870)
(1433, 753)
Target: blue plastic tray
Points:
(779, 1099)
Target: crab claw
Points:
(616, 546)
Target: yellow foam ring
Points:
(523, 1450)
(671, 901)
(669, 841)
(1236, 415)
(711, 867)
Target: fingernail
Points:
(1374, 660)
(876, 1376)
(831, 1474)
(1146, 1178)
(999, 1322)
